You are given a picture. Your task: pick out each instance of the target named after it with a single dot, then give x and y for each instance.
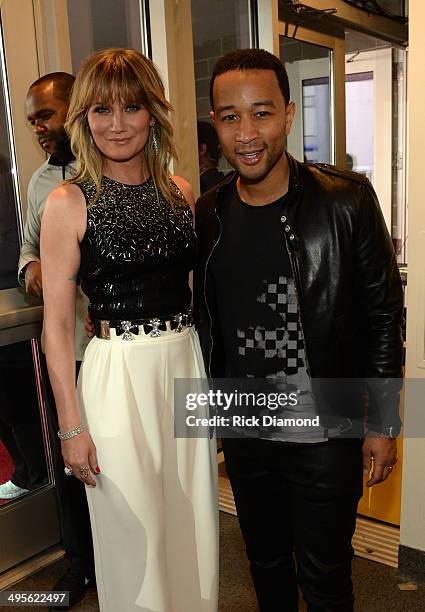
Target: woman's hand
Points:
(79, 453)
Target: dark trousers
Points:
(297, 501)
(20, 425)
(71, 495)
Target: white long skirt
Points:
(153, 513)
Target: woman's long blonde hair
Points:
(130, 77)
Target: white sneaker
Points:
(8, 490)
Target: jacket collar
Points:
(294, 172)
(54, 161)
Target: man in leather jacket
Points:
(297, 276)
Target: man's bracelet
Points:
(66, 435)
(21, 275)
(383, 432)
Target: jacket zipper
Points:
(296, 274)
(205, 289)
(295, 271)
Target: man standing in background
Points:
(209, 154)
(47, 106)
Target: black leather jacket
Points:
(347, 280)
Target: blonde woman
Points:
(124, 227)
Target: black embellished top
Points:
(137, 251)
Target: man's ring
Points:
(68, 471)
(84, 472)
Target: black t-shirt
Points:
(258, 313)
(255, 293)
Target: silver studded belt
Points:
(152, 327)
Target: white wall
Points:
(413, 491)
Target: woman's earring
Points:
(154, 141)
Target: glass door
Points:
(28, 517)
(312, 59)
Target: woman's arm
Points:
(63, 226)
(187, 191)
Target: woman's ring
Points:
(84, 472)
(68, 471)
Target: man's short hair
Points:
(251, 59)
(62, 84)
(208, 136)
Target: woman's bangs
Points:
(117, 83)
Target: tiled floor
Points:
(376, 586)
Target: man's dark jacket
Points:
(348, 286)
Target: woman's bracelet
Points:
(66, 435)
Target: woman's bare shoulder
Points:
(186, 189)
(66, 205)
(66, 194)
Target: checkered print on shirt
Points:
(287, 341)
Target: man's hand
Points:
(89, 326)
(33, 281)
(383, 453)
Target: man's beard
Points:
(62, 149)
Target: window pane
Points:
(376, 111)
(359, 112)
(100, 24)
(216, 32)
(368, 76)
(308, 67)
(9, 240)
(391, 8)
